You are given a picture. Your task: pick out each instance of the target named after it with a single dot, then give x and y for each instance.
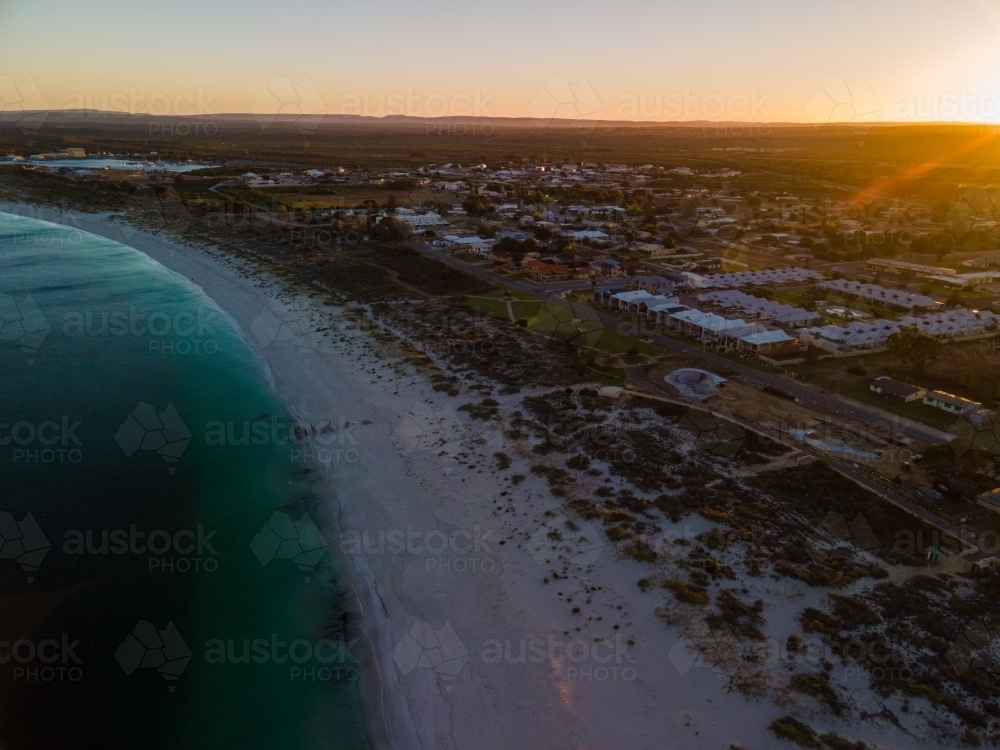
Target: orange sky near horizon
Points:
(749, 61)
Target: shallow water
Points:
(143, 457)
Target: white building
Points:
(428, 219)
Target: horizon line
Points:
(11, 117)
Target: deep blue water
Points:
(115, 376)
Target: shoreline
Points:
(344, 376)
(182, 261)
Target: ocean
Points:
(164, 579)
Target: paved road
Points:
(982, 550)
(864, 415)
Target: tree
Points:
(476, 204)
(938, 244)
(390, 230)
(392, 204)
(914, 347)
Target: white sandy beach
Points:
(438, 678)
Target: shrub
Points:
(818, 686)
(685, 593)
(793, 730)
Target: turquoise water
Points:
(115, 376)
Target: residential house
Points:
(427, 219)
(595, 235)
(604, 295)
(542, 271)
(650, 251)
(634, 300)
(893, 298)
(990, 500)
(653, 284)
(766, 277)
(607, 268)
(470, 244)
(706, 327)
(773, 344)
(659, 313)
(632, 267)
(759, 308)
(949, 402)
(513, 234)
(894, 389)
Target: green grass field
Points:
(493, 307)
(916, 411)
(798, 299)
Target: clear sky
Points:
(776, 60)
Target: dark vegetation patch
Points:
(772, 516)
(901, 537)
(818, 686)
(791, 729)
(914, 635)
(484, 410)
(686, 593)
(745, 620)
(428, 274)
(477, 346)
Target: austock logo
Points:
(282, 98)
(23, 104)
(23, 542)
(837, 101)
(22, 324)
(423, 429)
(153, 209)
(440, 650)
(686, 219)
(562, 538)
(565, 322)
(148, 648)
(47, 442)
(978, 647)
(300, 541)
(583, 660)
(975, 430)
(464, 550)
(559, 99)
(284, 322)
(441, 431)
(976, 209)
(45, 661)
(836, 538)
(714, 645)
(713, 431)
(336, 659)
(182, 551)
(148, 429)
